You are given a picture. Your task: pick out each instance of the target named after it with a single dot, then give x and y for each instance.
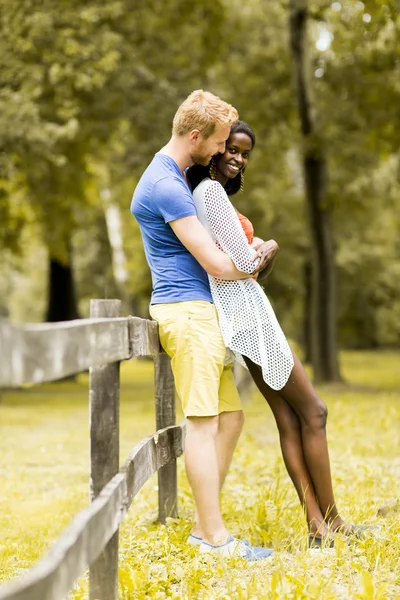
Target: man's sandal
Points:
(193, 540)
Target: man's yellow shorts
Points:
(190, 335)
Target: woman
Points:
(251, 330)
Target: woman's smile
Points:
(233, 168)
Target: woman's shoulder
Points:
(204, 183)
(208, 184)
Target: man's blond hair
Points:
(203, 111)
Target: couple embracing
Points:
(204, 261)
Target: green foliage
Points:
(87, 95)
(55, 61)
(359, 95)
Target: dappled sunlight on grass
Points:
(44, 482)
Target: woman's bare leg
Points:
(303, 442)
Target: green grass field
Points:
(44, 463)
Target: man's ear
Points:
(194, 135)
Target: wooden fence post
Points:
(165, 416)
(104, 453)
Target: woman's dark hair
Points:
(197, 173)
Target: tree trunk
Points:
(307, 310)
(62, 304)
(113, 221)
(323, 319)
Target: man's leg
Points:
(230, 425)
(203, 471)
(190, 334)
(231, 420)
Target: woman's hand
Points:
(266, 252)
(256, 242)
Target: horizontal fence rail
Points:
(80, 544)
(32, 354)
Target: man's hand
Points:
(266, 252)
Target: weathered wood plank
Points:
(81, 543)
(104, 387)
(151, 454)
(165, 417)
(49, 351)
(144, 338)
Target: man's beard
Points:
(199, 158)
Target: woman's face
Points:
(236, 155)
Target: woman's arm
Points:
(198, 241)
(227, 230)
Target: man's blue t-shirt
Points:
(162, 196)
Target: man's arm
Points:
(197, 240)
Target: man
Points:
(180, 253)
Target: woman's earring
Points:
(213, 169)
(241, 181)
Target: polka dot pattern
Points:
(248, 323)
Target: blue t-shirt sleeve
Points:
(172, 200)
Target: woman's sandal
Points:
(315, 541)
(359, 532)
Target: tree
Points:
(323, 324)
(356, 79)
(56, 61)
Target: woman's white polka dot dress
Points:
(248, 323)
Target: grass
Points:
(44, 467)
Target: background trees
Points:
(87, 96)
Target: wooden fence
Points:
(46, 352)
